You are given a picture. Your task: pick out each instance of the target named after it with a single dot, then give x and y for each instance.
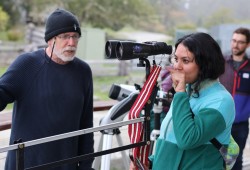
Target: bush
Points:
(14, 35)
(4, 18)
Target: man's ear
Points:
(51, 41)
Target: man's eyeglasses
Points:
(238, 42)
(67, 37)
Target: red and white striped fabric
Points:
(135, 130)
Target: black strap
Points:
(216, 143)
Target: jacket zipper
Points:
(237, 78)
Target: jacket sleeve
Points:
(192, 131)
(12, 82)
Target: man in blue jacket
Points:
(52, 91)
(236, 79)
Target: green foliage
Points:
(11, 8)
(3, 35)
(149, 15)
(14, 35)
(113, 14)
(187, 26)
(2, 70)
(4, 18)
(96, 13)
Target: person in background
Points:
(201, 109)
(167, 87)
(52, 91)
(236, 79)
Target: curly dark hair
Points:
(208, 56)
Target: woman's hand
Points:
(178, 78)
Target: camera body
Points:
(122, 91)
(126, 98)
(119, 92)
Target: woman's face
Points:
(184, 61)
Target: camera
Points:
(119, 92)
(127, 50)
(126, 95)
(122, 91)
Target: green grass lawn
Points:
(3, 36)
(2, 70)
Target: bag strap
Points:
(216, 143)
(135, 131)
(219, 146)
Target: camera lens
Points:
(110, 49)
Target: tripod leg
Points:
(107, 144)
(151, 147)
(125, 157)
(97, 161)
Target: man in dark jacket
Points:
(52, 91)
(236, 79)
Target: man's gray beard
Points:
(60, 55)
